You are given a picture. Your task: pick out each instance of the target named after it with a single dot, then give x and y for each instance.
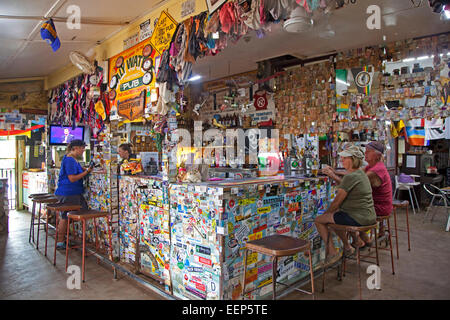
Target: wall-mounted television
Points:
(63, 135)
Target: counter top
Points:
(260, 180)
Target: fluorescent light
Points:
(422, 58)
(409, 59)
(195, 78)
(447, 14)
(343, 82)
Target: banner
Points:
(130, 74)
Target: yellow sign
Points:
(164, 30)
(131, 73)
(264, 210)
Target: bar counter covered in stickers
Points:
(211, 222)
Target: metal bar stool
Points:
(401, 204)
(380, 220)
(82, 216)
(40, 201)
(357, 230)
(58, 207)
(278, 246)
(33, 211)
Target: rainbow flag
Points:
(415, 132)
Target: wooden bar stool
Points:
(58, 207)
(380, 220)
(348, 230)
(278, 246)
(83, 216)
(33, 211)
(41, 201)
(401, 204)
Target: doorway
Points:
(8, 168)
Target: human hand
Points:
(328, 171)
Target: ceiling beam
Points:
(62, 19)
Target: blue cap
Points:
(48, 33)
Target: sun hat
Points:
(352, 151)
(376, 145)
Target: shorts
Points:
(74, 199)
(341, 217)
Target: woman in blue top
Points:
(70, 185)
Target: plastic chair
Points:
(442, 200)
(408, 187)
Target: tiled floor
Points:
(422, 273)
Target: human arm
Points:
(340, 197)
(374, 179)
(76, 177)
(333, 174)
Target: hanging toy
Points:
(198, 106)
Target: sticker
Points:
(264, 210)
(231, 203)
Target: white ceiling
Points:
(24, 54)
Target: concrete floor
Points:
(422, 273)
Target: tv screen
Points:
(63, 135)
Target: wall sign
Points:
(164, 30)
(131, 74)
(145, 30)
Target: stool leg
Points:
(96, 238)
(311, 273)
(84, 248)
(32, 222)
(67, 241)
(46, 234)
(376, 246)
(359, 272)
(39, 227)
(110, 239)
(407, 226)
(274, 278)
(245, 271)
(390, 244)
(56, 236)
(396, 231)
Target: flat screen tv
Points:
(63, 135)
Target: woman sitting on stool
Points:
(353, 204)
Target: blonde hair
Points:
(356, 162)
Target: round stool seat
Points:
(352, 228)
(399, 204)
(278, 245)
(37, 195)
(86, 214)
(63, 207)
(46, 200)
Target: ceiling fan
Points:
(82, 62)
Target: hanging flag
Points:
(48, 33)
(13, 132)
(434, 129)
(363, 79)
(415, 132)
